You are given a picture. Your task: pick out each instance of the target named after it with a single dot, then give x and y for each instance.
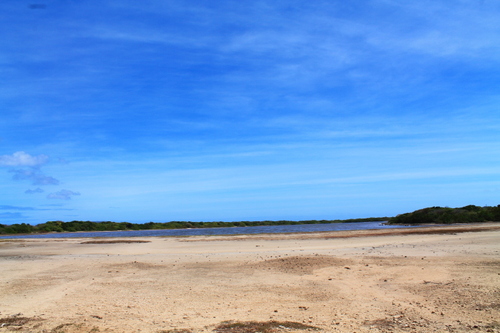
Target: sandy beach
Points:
(436, 279)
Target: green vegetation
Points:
(446, 215)
(73, 226)
(436, 215)
(22, 228)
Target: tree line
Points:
(446, 215)
(74, 226)
(430, 215)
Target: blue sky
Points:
(246, 110)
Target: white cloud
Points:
(27, 167)
(21, 158)
(62, 194)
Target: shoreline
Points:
(342, 281)
(421, 228)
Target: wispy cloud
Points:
(35, 176)
(36, 190)
(9, 207)
(446, 29)
(11, 216)
(62, 195)
(168, 101)
(22, 208)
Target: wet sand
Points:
(436, 279)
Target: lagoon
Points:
(271, 229)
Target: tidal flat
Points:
(438, 279)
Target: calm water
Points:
(271, 229)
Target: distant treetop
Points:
(446, 215)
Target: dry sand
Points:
(445, 279)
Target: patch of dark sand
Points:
(263, 327)
(300, 265)
(17, 322)
(118, 241)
